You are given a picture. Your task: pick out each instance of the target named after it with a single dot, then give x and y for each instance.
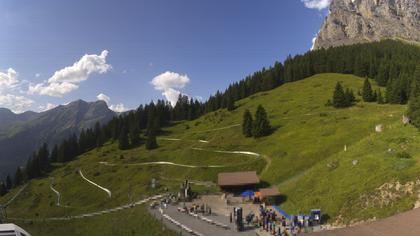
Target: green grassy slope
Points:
(304, 157)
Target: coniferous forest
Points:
(392, 64)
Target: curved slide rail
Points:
(56, 193)
(178, 139)
(230, 152)
(15, 196)
(217, 129)
(92, 214)
(95, 184)
(163, 163)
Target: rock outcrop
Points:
(358, 21)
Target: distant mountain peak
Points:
(358, 21)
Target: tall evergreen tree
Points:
(18, 180)
(134, 136)
(414, 103)
(247, 123)
(339, 98)
(3, 189)
(380, 99)
(54, 154)
(367, 93)
(261, 125)
(9, 183)
(230, 104)
(123, 142)
(151, 142)
(43, 157)
(349, 97)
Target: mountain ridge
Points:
(357, 21)
(21, 134)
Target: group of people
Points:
(269, 221)
(203, 208)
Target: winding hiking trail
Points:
(95, 184)
(164, 163)
(92, 214)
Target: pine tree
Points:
(151, 141)
(123, 142)
(135, 136)
(44, 160)
(3, 189)
(230, 104)
(18, 180)
(414, 103)
(261, 125)
(380, 98)
(350, 99)
(9, 183)
(339, 97)
(247, 123)
(367, 93)
(54, 154)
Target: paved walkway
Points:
(407, 224)
(200, 226)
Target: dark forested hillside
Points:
(28, 131)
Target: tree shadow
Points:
(325, 218)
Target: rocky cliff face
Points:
(357, 21)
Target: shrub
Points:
(404, 155)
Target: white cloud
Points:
(66, 80)
(37, 75)
(8, 83)
(117, 107)
(47, 107)
(104, 97)
(316, 4)
(170, 83)
(8, 79)
(17, 104)
(52, 89)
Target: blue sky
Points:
(138, 50)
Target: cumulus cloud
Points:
(52, 89)
(117, 107)
(9, 83)
(47, 107)
(316, 4)
(170, 83)
(17, 104)
(104, 98)
(66, 80)
(8, 79)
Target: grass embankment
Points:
(304, 156)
